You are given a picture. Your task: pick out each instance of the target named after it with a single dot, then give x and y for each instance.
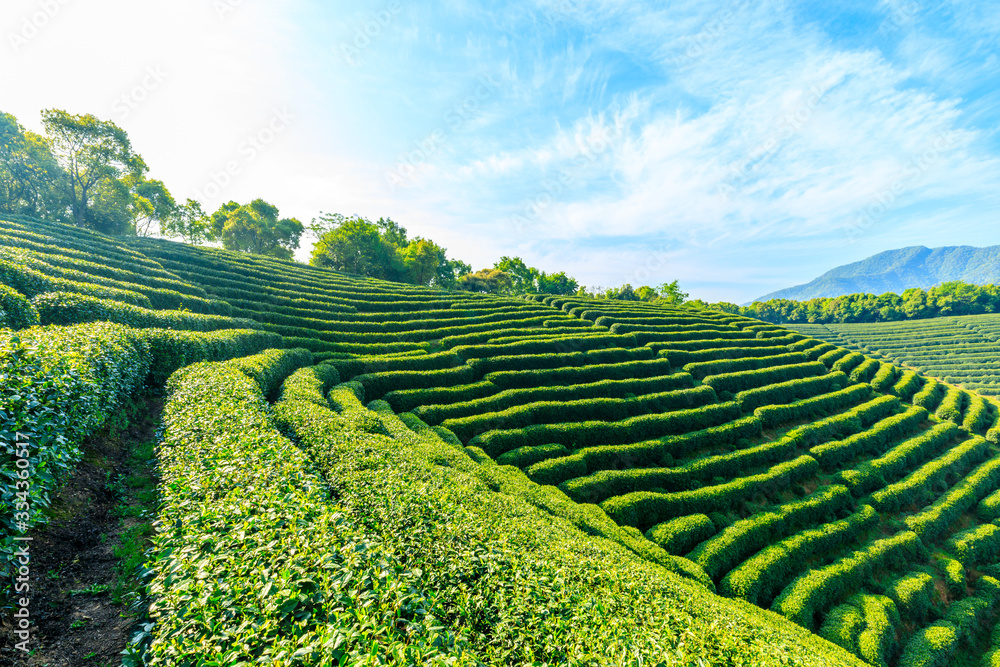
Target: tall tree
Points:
(556, 283)
(190, 223)
(522, 276)
(355, 245)
(94, 153)
(31, 180)
(256, 228)
(422, 259)
(152, 205)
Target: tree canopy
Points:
(256, 228)
(382, 250)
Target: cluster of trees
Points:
(382, 250)
(85, 172)
(512, 276)
(951, 298)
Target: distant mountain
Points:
(897, 270)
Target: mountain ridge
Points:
(898, 270)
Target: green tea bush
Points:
(848, 363)
(773, 415)
(886, 378)
(679, 535)
(952, 405)
(404, 400)
(877, 641)
(930, 396)
(977, 415)
(640, 387)
(874, 473)
(58, 385)
(792, 390)
(645, 508)
(954, 576)
(919, 486)
(16, 273)
(932, 521)
(590, 409)
(280, 542)
(871, 441)
(721, 553)
(72, 308)
(931, 646)
(639, 454)
(976, 545)
(908, 385)
(16, 311)
(586, 374)
(814, 591)
(759, 578)
(701, 369)
(843, 626)
(864, 371)
(913, 594)
(742, 381)
(579, 434)
(170, 349)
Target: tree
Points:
(31, 180)
(190, 223)
(152, 205)
(556, 283)
(623, 293)
(422, 259)
(95, 155)
(522, 276)
(451, 272)
(487, 281)
(671, 293)
(355, 245)
(256, 228)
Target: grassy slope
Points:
(340, 316)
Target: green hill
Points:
(362, 472)
(898, 270)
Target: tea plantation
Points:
(356, 472)
(962, 350)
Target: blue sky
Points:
(739, 147)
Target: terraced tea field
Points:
(961, 350)
(362, 472)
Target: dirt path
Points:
(81, 612)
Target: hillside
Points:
(962, 350)
(363, 468)
(898, 270)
